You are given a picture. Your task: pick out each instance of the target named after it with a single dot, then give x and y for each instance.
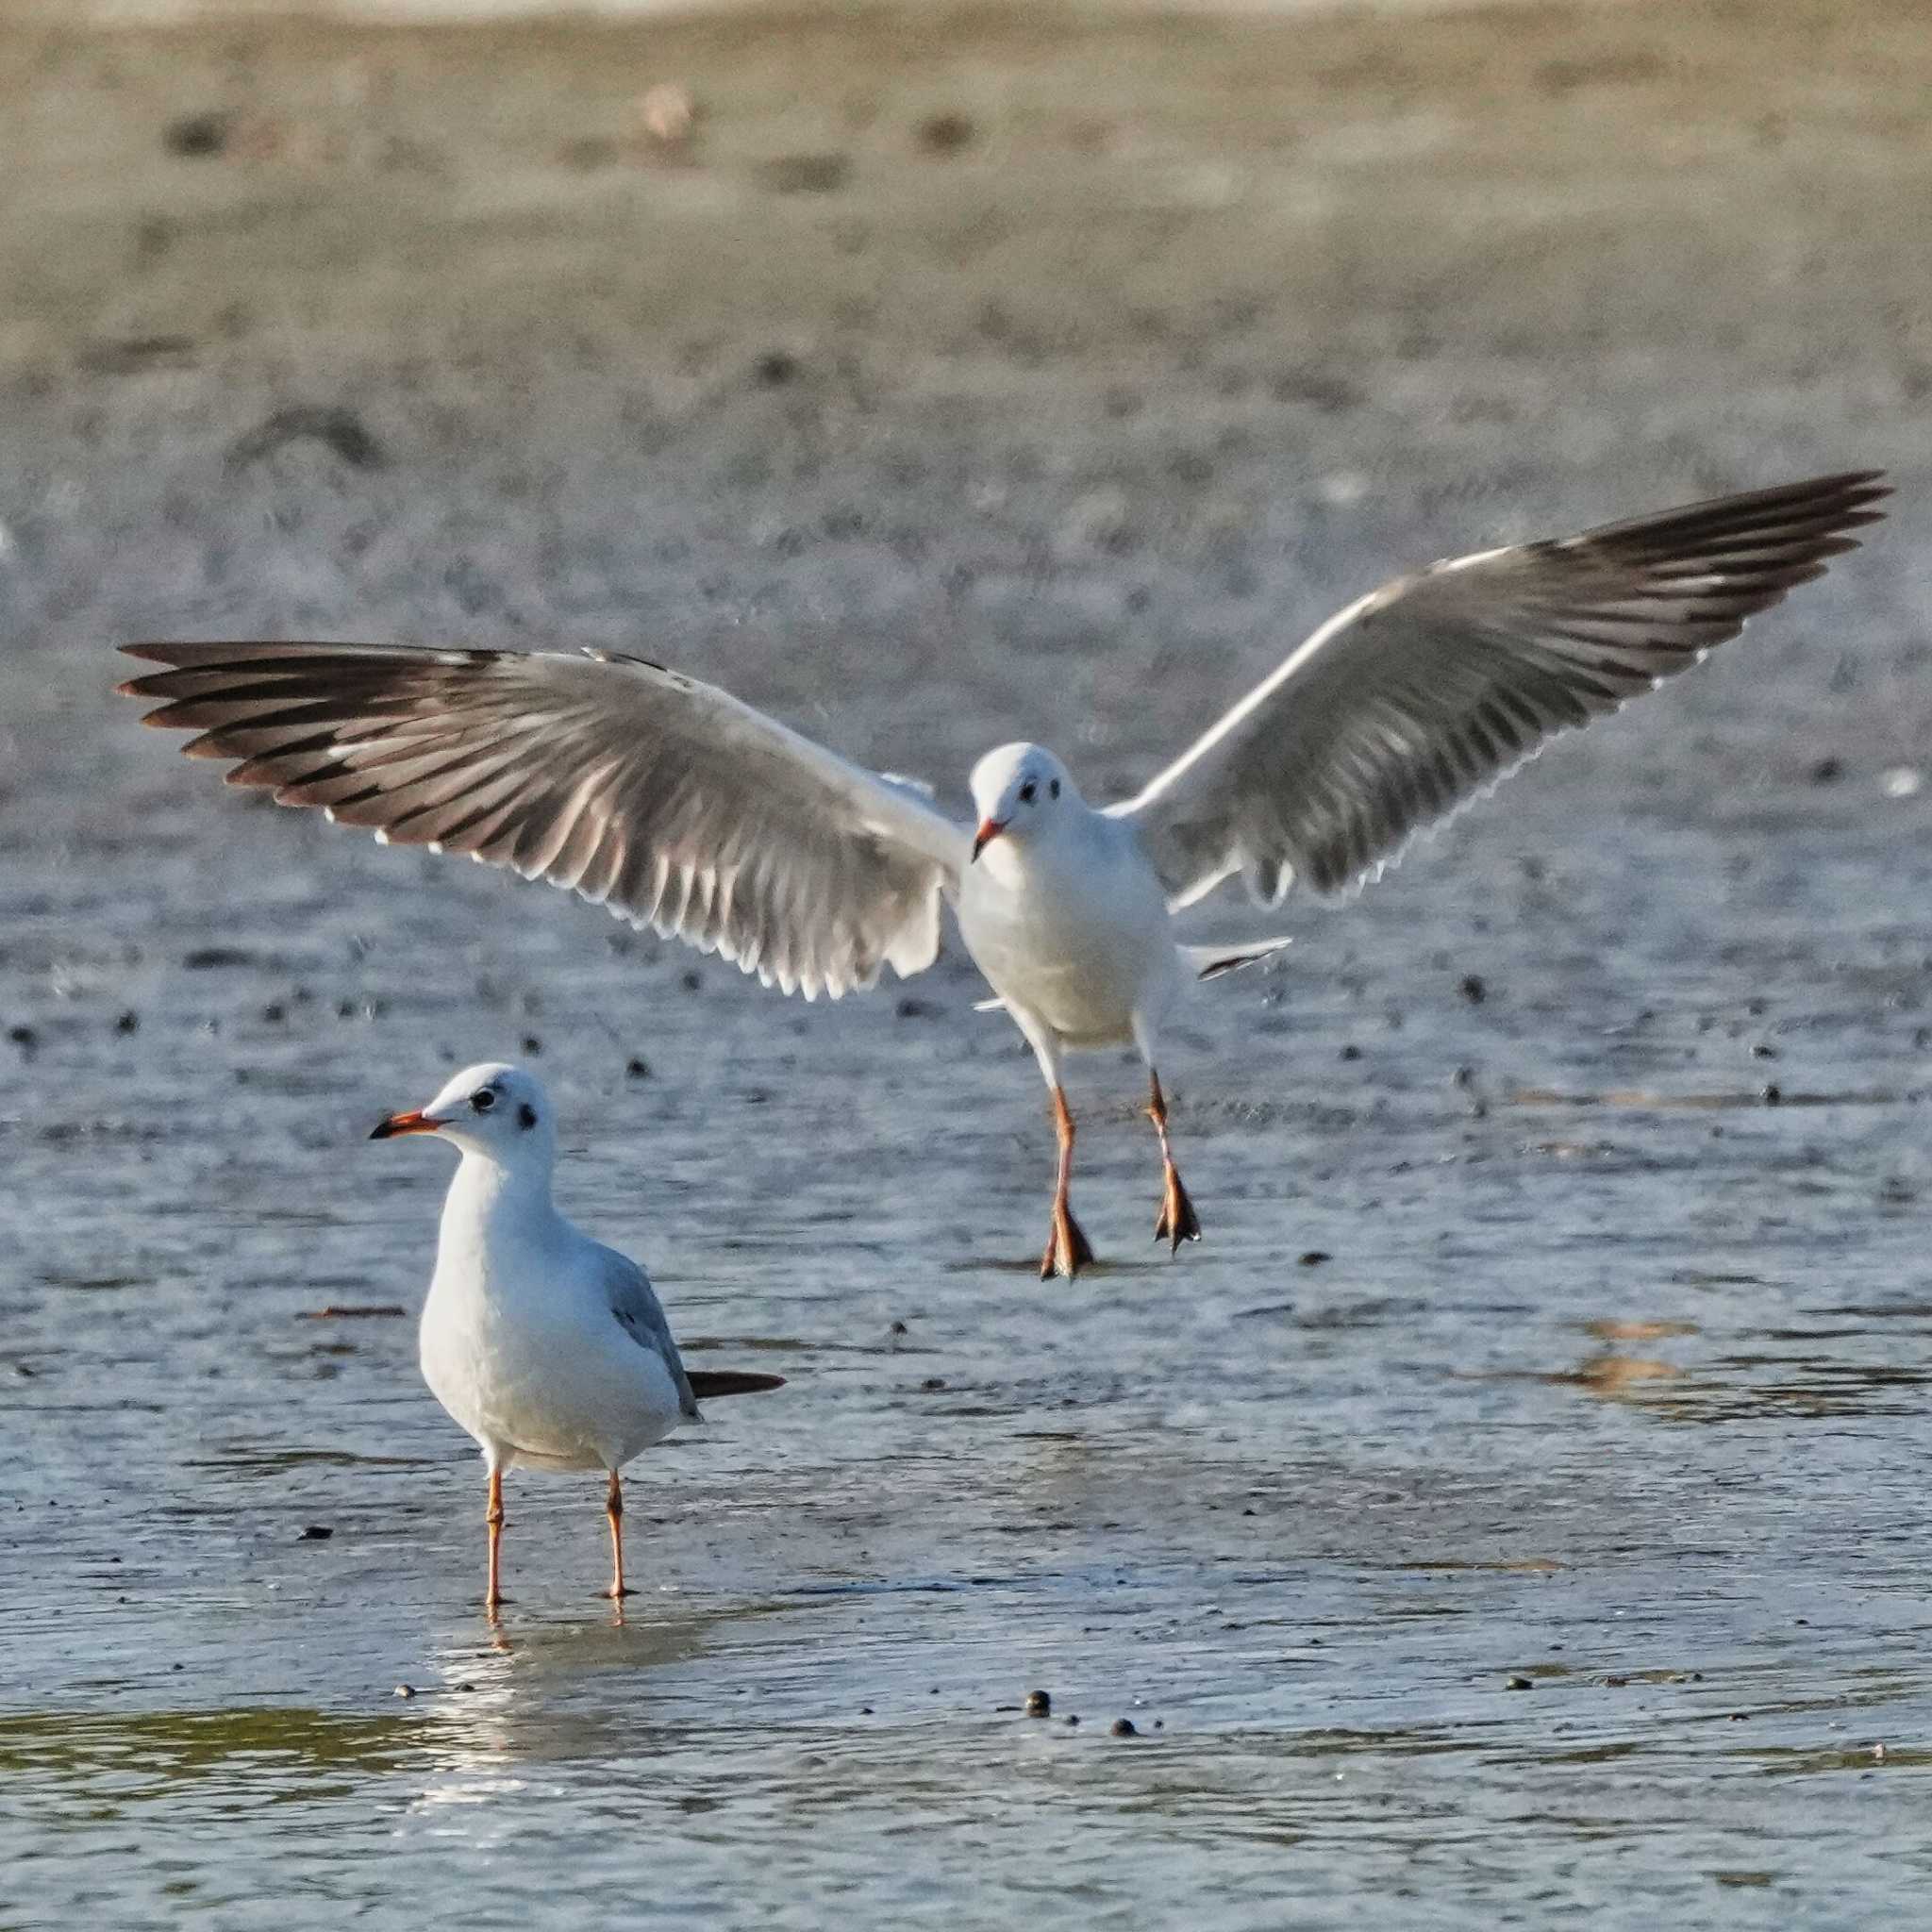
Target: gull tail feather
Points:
(1211, 962)
(1204, 963)
(706, 1383)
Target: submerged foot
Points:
(1067, 1251)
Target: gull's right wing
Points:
(667, 800)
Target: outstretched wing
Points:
(665, 799)
(1430, 690)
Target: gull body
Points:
(679, 806)
(546, 1347)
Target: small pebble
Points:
(194, 137)
(128, 1022)
(1122, 1727)
(637, 1069)
(405, 1690)
(1474, 990)
(532, 1045)
(1313, 1257)
(315, 1533)
(945, 134)
(1068, 1721)
(1038, 1704)
(1772, 1094)
(1351, 1052)
(933, 1383)
(1521, 1684)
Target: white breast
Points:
(1072, 929)
(519, 1344)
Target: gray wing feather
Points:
(667, 800)
(640, 1314)
(1422, 696)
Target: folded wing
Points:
(665, 799)
(1427, 691)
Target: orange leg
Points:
(493, 1595)
(613, 1508)
(1067, 1251)
(1177, 1222)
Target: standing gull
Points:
(549, 1348)
(679, 806)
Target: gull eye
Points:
(483, 1099)
(1053, 791)
(1027, 791)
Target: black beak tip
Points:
(381, 1131)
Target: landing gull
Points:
(681, 808)
(548, 1348)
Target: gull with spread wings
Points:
(679, 806)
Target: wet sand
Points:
(961, 378)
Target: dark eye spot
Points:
(1026, 793)
(483, 1099)
(1054, 790)
(527, 1116)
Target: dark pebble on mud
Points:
(1761, 1052)
(406, 1690)
(1772, 1094)
(1038, 1704)
(637, 1069)
(1070, 1720)
(1615, 1683)
(691, 980)
(23, 1038)
(1122, 1727)
(532, 1045)
(315, 1533)
(775, 368)
(918, 1009)
(933, 1383)
(196, 137)
(128, 1023)
(1827, 771)
(1351, 1052)
(1473, 989)
(1521, 1684)
(945, 134)
(1313, 1257)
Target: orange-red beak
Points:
(411, 1122)
(989, 830)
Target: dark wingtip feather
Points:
(707, 1383)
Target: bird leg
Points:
(1177, 1222)
(1067, 1251)
(613, 1508)
(493, 1595)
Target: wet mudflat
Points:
(1513, 1513)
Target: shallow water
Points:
(1563, 1320)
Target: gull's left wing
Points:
(1432, 688)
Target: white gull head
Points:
(1019, 791)
(495, 1112)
